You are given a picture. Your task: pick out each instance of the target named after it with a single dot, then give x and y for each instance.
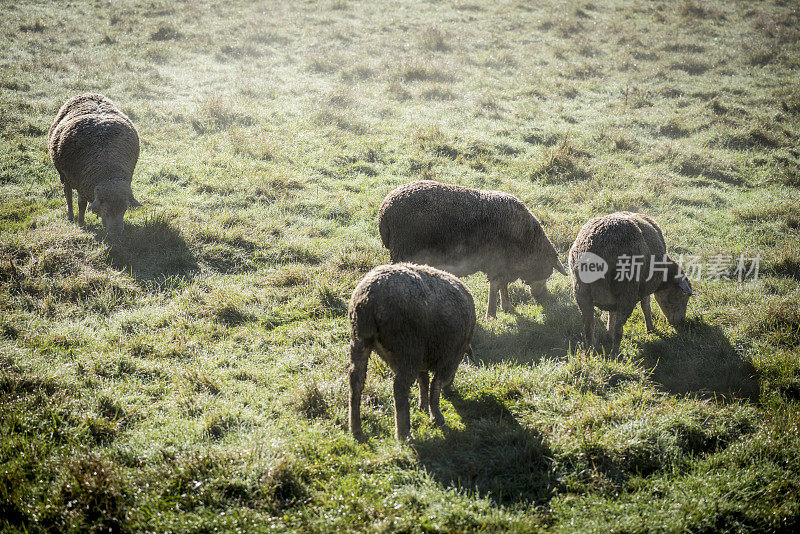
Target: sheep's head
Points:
(539, 269)
(673, 297)
(111, 200)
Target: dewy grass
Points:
(192, 374)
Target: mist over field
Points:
(191, 375)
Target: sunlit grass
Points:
(191, 375)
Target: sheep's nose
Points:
(115, 228)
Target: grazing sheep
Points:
(94, 147)
(616, 240)
(464, 230)
(418, 319)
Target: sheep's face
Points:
(536, 275)
(111, 201)
(673, 298)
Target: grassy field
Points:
(191, 376)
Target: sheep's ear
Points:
(684, 284)
(134, 203)
(95, 205)
(558, 266)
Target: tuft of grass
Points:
(202, 383)
(422, 72)
(220, 112)
(330, 301)
(217, 424)
(781, 326)
(256, 146)
(788, 212)
(93, 495)
(753, 137)
(166, 32)
(434, 40)
(310, 402)
(561, 163)
(696, 164)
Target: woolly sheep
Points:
(418, 319)
(94, 147)
(615, 240)
(464, 230)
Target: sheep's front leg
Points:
(610, 322)
(648, 317)
(402, 410)
(491, 308)
(423, 390)
(359, 355)
(505, 303)
(82, 203)
(68, 195)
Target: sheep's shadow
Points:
(700, 360)
(154, 252)
(493, 455)
(528, 340)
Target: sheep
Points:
(602, 260)
(464, 230)
(418, 319)
(94, 147)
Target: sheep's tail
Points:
(364, 323)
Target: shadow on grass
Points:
(154, 252)
(529, 340)
(700, 360)
(494, 455)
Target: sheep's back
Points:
(454, 222)
(651, 233)
(90, 139)
(612, 237)
(412, 300)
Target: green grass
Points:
(191, 375)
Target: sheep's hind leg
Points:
(620, 318)
(648, 316)
(491, 307)
(82, 202)
(441, 378)
(586, 307)
(424, 382)
(68, 195)
(402, 410)
(359, 355)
